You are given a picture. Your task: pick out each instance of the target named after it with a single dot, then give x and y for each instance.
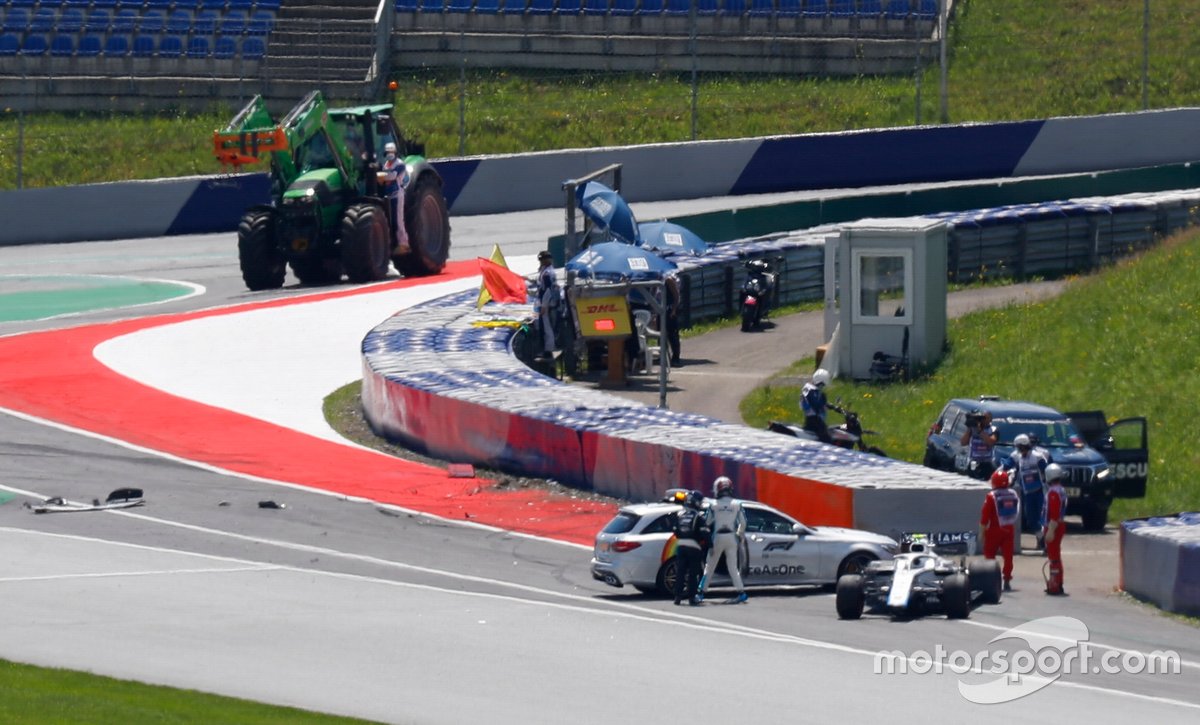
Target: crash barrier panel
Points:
(444, 386)
(1160, 561)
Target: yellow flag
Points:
(484, 295)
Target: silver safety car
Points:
(636, 549)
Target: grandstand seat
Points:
(789, 8)
(163, 5)
(761, 8)
(677, 7)
(71, 20)
(80, 4)
(246, 5)
(898, 9)
(595, 7)
(487, 7)
(623, 7)
(30, 4)
(541, 7)
(217, 5)
(926, 9)
(98, 21)
(459, 6)
(816, 8)
(272, 5)
(260, 23)
(10, 44)
(63, 45)
(43, 21)
(225, 48)
(192, 6)
(116, 46)
(199, 46)
(232, 23)
(143, 46)
(171, 46)
(870, 8)
(707, 7)
(569, 7)
(732, 8)
(431, 6)
(105, 4)
(652, 7)
(179, 22)
(152, 22)
(124, 21)
(206, 22)
(90, 45)
(842, 8)
(34, 44)
(254, 48)
(406, 6)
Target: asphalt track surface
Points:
(387, 591)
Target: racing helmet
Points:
(1054, 472)
(758, 265)
(1000, 478)
(389, 148)
(695, 500)
(723, 486)
(821, 377)
(1022, 441)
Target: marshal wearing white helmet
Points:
(815, 405)
(395, 173)
(1029, 463)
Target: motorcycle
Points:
(847, 435)
(755, 294)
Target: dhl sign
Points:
(603, 316)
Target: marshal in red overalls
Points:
(1055, 527)
(1001, 511)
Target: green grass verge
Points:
(61, 697)
(1122, 340)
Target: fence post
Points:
(20, 145)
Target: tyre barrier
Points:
(1160, 561)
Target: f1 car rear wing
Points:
(943, 543)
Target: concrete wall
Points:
(496, 184)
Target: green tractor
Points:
(329, 214)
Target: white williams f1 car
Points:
(917, 581)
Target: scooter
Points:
(847, 435)
(755, 294)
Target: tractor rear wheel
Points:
(428, 225)
(365, 243)
(262, 265)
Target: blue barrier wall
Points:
(654, 172)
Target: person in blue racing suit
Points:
(729, 528)
(1030, 463)
(815, 405)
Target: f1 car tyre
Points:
(956, 596)
(365, 243)
(984, 576)
(855, 563)
(428, 225)
(850, 596)
(262, 265)
(1094, 517)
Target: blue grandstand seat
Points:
(761, 8)
(90, 45)
(151, 22)
(487, 7)
(30, 4)
(10, 44)
(677, 7)
(116, 46)
(63, 45)
(652, 7)
(870, 8)
(513, 7)
(34, 44)
(595, 7)
(171, 46)
(540, 7)
(218, 5)
(71, 20)
(199, 46)
(225, 48)
(623, 7)
(43, 21)
(789, 8)
(842, 8)
(206, 22)
(254, 48)
(105, 4)
(163, 5)
(143, 46)
(192, 6)
(570, 7)
(406, 6)
(816, 8)
(459, 6)
(246, 5)
(707, 7)
(179, 22)
(898, 9)
(733, 8)
(260, 23)
(431, 6)
(926, 9)
(124, 21)
(268, 5)
(232, 23)
(98, 21)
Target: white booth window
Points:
(882, 281)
